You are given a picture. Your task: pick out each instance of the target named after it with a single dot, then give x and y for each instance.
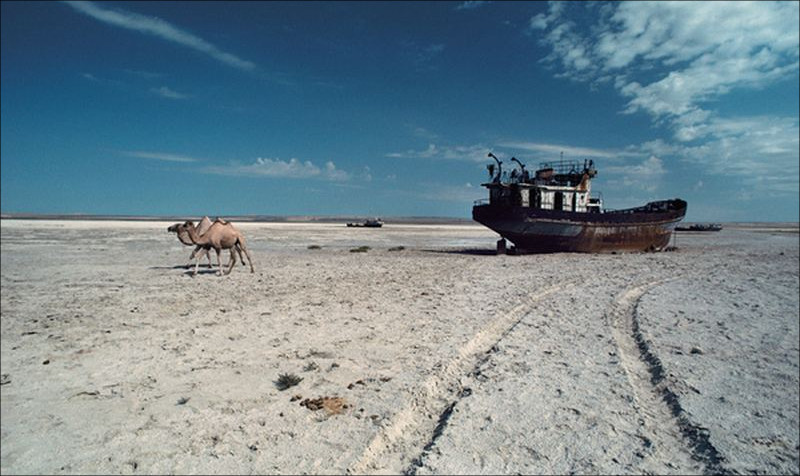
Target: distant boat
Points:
(700, 227)
(368, 223)
(553, 211)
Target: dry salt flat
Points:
(423, 354)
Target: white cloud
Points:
(646, 175)
(423, 133)
(708, 48)
(763, 151)
(675, 60)
(423, 57)
(553, 151)
(428, 53)
(159, 156)
(293, 168)
(473, 153)
(166, 92)
(366, 174)
(471, 4)
(160, 28)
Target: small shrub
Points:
(314, 247)
(360, 249)
(397, 248)
(287, 380)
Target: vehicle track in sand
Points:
(412, 432)
(664, 426)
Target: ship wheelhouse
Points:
(559, 186)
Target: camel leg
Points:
(198, 253)
(232, 259)
(219, 262)
(232, 263)
(249, 259)
(192, 256)
(196, 265)
(239, 250)
(208, 255)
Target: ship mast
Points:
(499, 166)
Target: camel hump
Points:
(220, 220)
(203, 226)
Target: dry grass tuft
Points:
(287, 380)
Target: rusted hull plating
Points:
(546, 231)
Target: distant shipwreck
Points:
(700, 227)
(554, 211)
(368, 223)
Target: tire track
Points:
(413, 431)
(663, 423)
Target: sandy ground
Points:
(438, 358)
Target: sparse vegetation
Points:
(360, 249)
(332, 405)
(314, 247)
(287, 380)
(397, 248)
(311, 366)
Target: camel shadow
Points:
(190, 272)
(180, 266)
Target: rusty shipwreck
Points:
(553, 211)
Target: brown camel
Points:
(199, 251)
(220, 236)
(183, 237)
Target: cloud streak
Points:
(471, 4)
(168, 93)
(472, 153)
(553, 151)
(276, 168)
(159, 156)
(161, 29)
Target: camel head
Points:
(180, 230)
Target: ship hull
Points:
(646, 228)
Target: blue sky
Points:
(390, 108)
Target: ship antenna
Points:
(499, 164)
(521, 165)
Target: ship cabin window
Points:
(524, 195)
(593, 205)
(579, 203)
(546, 200)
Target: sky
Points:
(390, 108)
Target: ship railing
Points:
(562, 166)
